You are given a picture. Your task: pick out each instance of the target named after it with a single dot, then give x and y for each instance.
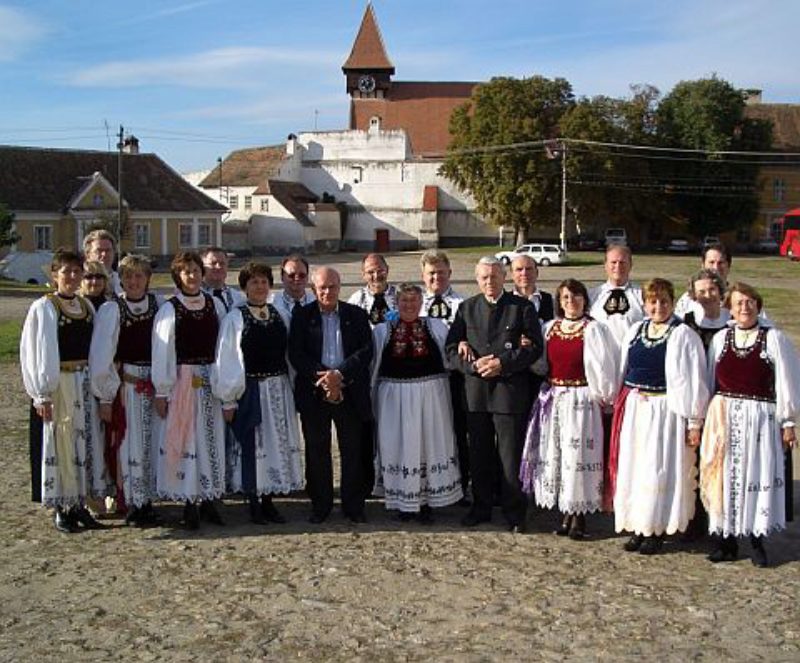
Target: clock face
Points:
(366, 83)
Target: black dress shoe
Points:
(270, 512)
(405, 516)
(759, 554)
(191, 516)
(134, 518)
(727, 550)
(256, 515)
(209, 513)
(563, 529)
(64, 523)
(464, 502)
(651, 545)
(634, 543)
(472, 519)
(358, 517)
(577, 531)
(82, 516)
(426, 515)
(148, 515)
(317, 518)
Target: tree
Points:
(8, 236)
(512, 187)
(711, 193)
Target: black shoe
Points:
(82, 516)
(191, 516)
(405, 516)
(634, 543)
(317, 518)
(64, 523)
(651, 545)
(270, 512)
(148, 516)
(759, 555)
(209, 513)
(472, 519)
(134, 518)
(358, 517)
(256, 515)
(577, 531)
(727, 550)
(426, 515)
(464, 502)
(564, 528)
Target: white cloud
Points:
(18, 32)
(233, 67)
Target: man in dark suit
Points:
(494, 339)
(330, 346)
(525, 273)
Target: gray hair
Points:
(492, 262)
(408, 289)
(711, 275)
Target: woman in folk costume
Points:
(251, 378)
(562, 463)
(95, 283)
(191, 457)
(755, 376)
(66, 444)
(119, 363)
(707, 289)
(417, 458)
(657, 420)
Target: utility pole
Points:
(563, 196)
(120, 147)
(219, 165)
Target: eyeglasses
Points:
(93, 277)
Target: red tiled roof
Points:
(252, 166)
(422, 109)
(47, 179)
(785, 123)
(368, 51)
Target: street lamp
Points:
(558, 149)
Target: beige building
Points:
(58, 195)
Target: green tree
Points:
(7, 234)
(711, 193)
(512, 187)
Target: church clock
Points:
(366, 84)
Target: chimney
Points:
(291, 144)
(130, 145)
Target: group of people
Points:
(589, 400)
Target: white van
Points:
(616, 236)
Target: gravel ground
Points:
(384, 590)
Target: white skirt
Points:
(752, 471)
(137, 457)
(278, 454)
(418, 461)
(193, 469)
(568, 463)
(74, 469)
(656, 474)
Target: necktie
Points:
(617, 302)
(377, 313)
(217, 292)
(439, 308)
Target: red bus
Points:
(790, 232)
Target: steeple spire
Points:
(368, 52)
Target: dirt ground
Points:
(384, 590)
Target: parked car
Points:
(678, 245)
(586, 243)
(616, 236)
(543, 254)
(766, 245)
(709, 240)
(27, 266)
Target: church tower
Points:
(368, 68)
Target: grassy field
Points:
(9, 340)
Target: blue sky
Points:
(195, 79)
